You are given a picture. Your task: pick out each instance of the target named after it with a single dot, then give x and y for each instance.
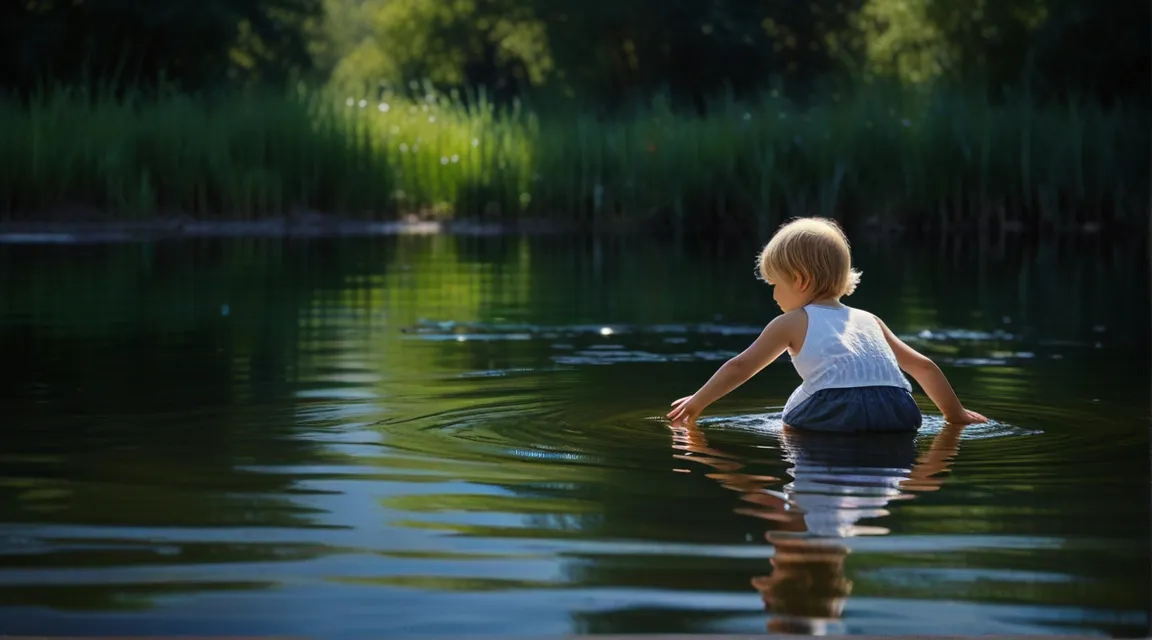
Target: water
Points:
(454, 436)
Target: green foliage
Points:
(457, 43)
(602, 50)
(191, 43)
(240, 157)
(948, 160)
(606, 53)
(690, 49)
(920, 41)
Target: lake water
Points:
(463, 436)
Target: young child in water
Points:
(849, 361)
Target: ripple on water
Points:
(490, 433)
(773, 424)
(452, 330)
(582, 344)
(464, 331)
(449, 330)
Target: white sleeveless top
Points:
(844, 347)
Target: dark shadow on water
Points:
(838, 483)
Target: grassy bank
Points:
(232, 158)
(939, 161)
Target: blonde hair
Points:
(816, 250)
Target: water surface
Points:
(461, 436)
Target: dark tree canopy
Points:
(190, 43)
(599, 51)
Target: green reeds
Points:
(940, 160)
(238, 157)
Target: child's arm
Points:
(773, 340)
(931, 379)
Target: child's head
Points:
(815, 251)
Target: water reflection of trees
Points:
(154, 390)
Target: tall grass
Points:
(944, 161)
(237, 157)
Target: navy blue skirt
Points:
(857, 410)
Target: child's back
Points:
(851, 380)
(849, 361)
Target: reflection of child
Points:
(837, 480)
(849, 361)
(807, 589)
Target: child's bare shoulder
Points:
(874, 316)
(794, 325)
(793, 322)
(795, 315)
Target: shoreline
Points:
(86, 229)
(90, 231)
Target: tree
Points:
(192, 43)
(1100, 49)
(602, 50)
(450, 43)
(1051, 46)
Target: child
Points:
(848, 359)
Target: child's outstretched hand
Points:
(967, 417)
(684, 411)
